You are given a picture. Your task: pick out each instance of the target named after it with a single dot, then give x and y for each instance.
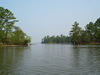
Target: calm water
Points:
(50, 59)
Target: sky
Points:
(38, 18)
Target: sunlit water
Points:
(50, 59)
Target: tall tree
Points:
(90, 31)
(7, 21)
(10, 34)
(76, 33)
(97, 30)
(1, 24)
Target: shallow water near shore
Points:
(50, 59)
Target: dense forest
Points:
(89, 35)
(9, 33)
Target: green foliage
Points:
(76, 33)
(7, 21)
(56, 39)
(97, 30)
(10, 34)
(27, 40)
(90, 30)
(1, 43)
(91, 34)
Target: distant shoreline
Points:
(92, 43)
(49, 43)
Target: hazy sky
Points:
(38, 18)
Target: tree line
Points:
(9, 33)
(90, 34)
(56, 39)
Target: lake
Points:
(50, 59)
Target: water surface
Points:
(50, 59)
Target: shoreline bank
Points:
(12, 45)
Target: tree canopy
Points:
(91, 33)
(9, 33)
(76, 33)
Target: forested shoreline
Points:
(9, 33)
(89, 35)
(56, 39)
